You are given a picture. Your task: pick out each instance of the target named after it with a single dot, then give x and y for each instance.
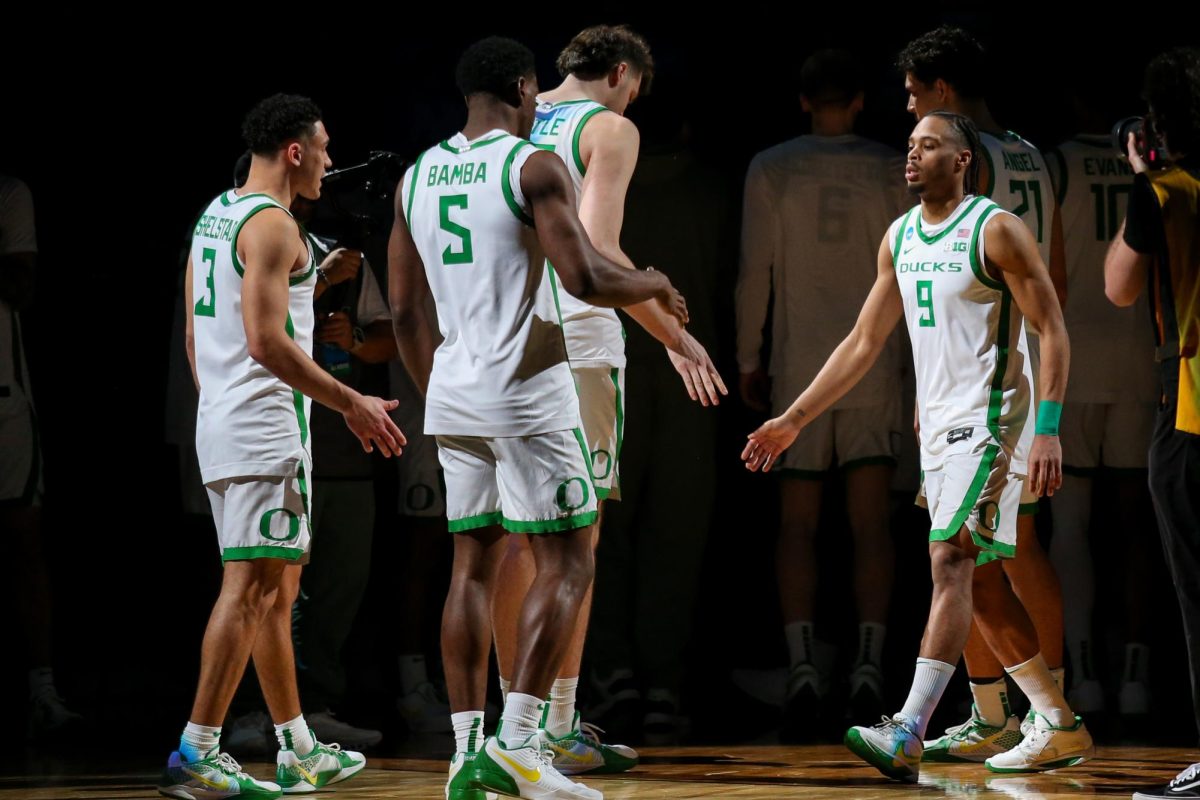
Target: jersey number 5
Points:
(465, 254)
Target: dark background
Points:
(123, 139)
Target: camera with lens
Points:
(1146, 138)
(355, 208)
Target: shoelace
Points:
(590, 732)
(1187, 775)
(226, 764)
(889, 722)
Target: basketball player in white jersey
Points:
(945, 69)
(961, 272)
(1108, 416)
(249, 290)
(813, 206)
(501, 400)
(582, 121)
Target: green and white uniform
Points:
(1019, 181)
(814, 209)
(974, 384)
(1108, 414)
(594, 336)
(252, 437)
(500, 400)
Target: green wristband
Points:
(1048, 415)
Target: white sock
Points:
(1044, 695)
(991, 702)
(198, 741)
(928, 684)
(505, 684)
(468, 730)
(1060, 676)
(294, 735)
(41, 682)
(799, 641)
(522, 713)
(1137, 663)
(412, 672)
(870, 643)
(560, 719)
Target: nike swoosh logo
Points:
(568, 754)
(909, 249)
(531, 775)
(1185, 787)
(898, 756)
(204, 780)
(308, 776)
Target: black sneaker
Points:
(1185, 784)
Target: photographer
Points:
(1159, 247)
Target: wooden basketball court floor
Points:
(745, 773)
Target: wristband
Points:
(1048, 415)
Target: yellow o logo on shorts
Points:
(264, 525)
(565, 487)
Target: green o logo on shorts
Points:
(293, 529)
(608, 464)
(989, 508)
(565, 495)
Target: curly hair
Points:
(595, 51)
(492, 66)
(277, 119)
(963, 130)
(1172, 88)
(948, 53)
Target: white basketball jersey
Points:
(969, 350)
(1020, 183)
(501, 369)
(1112, 351)
(249, 422)
(594, 335)
(816, 208)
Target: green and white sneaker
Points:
(214, 777)
(582, 751)
(1046, 747)
(889, 747)
(526, 771)
(974, 740)
(458, 785)
(1027, 723)
(325, 765)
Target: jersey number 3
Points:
(207, 305)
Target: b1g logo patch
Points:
(959, 435)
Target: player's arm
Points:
(1129, 256)
(408, 289)
(1058, 257)
(752, 296)
(269, 244)
(1125, 270)
(847, 365)
(189, 325)
(583, 271)
(1012, 251)
(611, 142)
